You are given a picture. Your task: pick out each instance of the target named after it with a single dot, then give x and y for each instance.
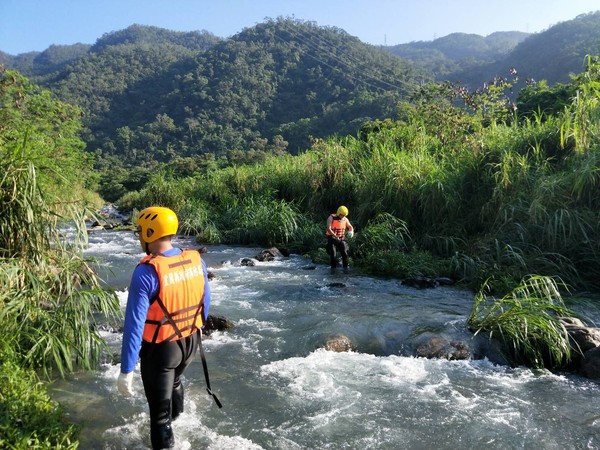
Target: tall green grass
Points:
(495, 200)
(50, 299)
(526, 321)
(50, 295)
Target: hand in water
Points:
(125, 384)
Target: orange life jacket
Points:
(177, 310)
(338, 225)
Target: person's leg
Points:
(188, 349)
(344, 250)
(177, 399)
(331, 244)
(341, 248)
(158, 364)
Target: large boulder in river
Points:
(269, 254)
(584, 341)
(585, 347)
(590, 364)
(583, 338)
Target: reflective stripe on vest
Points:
(176, 312)
(338, 226)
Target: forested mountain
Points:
(153, 95)
(550, 55)
(150, 94)
(458, 51)
(140, 34)
(53, 58)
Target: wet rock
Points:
(584, 341)
(444, 281)
(96, 225)
(336, 285)
(571, 322)
(590, 364)
(439, 347)
(483, 347)
(215, 323)
(247, 262)
(582, 337)
(269, 254)
(110, 211)
(339, 343)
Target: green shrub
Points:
(403, 264)
(29, 419)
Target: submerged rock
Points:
(420, 282)
(439, 347)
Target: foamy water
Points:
(281, 390)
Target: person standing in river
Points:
(168, 302)
(337, 225)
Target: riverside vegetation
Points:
(478, 192)
(49, 296)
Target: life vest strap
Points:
(169, 318)
(205, 368)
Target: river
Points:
(281, 390)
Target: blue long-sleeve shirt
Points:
(143, 287)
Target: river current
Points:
(281, 390)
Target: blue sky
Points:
(34, 25)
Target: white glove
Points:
(125, 384)
(350, 233)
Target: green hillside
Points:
(551, 55)
(153, 95)
(458, 51)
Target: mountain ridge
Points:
(149, 94)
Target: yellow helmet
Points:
(156, 222)
(342, 211)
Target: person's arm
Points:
(349, 225)
(143, 287)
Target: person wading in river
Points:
(168, 302)
(337, 224)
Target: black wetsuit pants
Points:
(162, 366)
(334, 246)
